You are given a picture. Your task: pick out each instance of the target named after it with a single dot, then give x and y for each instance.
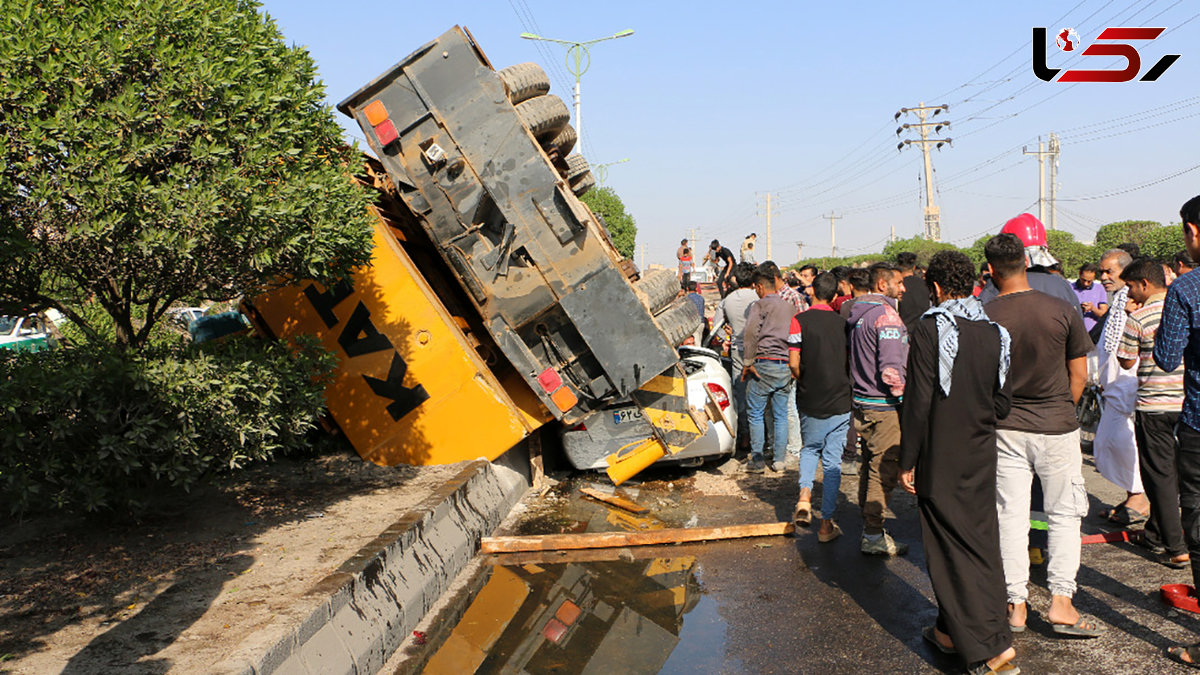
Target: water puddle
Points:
(616, 616)
(634, 610)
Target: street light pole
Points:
(600, 171)
(578, 60)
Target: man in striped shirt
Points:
(1159, 400)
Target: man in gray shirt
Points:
(765, 369)
(731, 312)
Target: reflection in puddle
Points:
(579, 617)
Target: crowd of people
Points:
(851, 366)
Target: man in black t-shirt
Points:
(817, 357)
(722, 255)
(915, 300)
(1040, 436)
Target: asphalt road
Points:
(793, 605)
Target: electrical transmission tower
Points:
(1042, 155)
(933, 223)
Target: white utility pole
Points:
(1041, 153)
(1054, 150)
(769, 257)
(933, 223)
(832, 234)
(799, 251)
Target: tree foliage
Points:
(94, 428)
(155, 151)
(1120, 232)
(622, 228)
(1069, 252)
(922, 247)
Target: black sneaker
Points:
(756, 465)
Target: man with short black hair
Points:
(860, 284)
(800, 302)
(817, 359)
(722, 258)
(765, 369)
(878, 355)
(731, 312)
(1040, 436)
(916, 295)
(1092, 297)
(1159, 400)
(1182, 263)
(1175, 341)
(957, 388)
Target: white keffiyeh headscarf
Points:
(970, 309)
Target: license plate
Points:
(627, 415)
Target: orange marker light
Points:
(376, 113)
(564, 399)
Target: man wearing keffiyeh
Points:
(1115, 446)
(948, 459)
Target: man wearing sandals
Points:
(958, 364)
(1175, 341)
(1159, 399)
(817, 358)
(1040, 436)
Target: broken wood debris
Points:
(614, 500)
(553, 542)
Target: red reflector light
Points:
(550, 380)
(385, 131)
(719, 394)
(554, 630)
(578, 427)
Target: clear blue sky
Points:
(716, 104)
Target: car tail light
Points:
(578, 427)
(719, 394)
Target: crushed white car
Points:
(606, 431)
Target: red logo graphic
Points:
(1068, 40)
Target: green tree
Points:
(924, 248)
(622, 228)
(1162, 242)
(1108, 236)
(155, 151)
(1069, 252)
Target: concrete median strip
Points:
(366, 609)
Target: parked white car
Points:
(606, 431)
(184, 316)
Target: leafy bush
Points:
(98, 428)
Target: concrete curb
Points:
(369, 606)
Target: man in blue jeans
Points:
(817, 358)
(765, 369)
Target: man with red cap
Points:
(1038, 260)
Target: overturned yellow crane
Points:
(495, 300)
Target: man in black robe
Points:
(948, 459)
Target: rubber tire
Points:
(583, 184)
(577, 165)
(678, 321)
(656, 289)
(524, 81)
(544, 116)
(563, 142)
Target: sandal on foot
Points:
(826, 538)
(1012, 627)
(1174, 562)
(1007, 668)
(1127, 516)
(930, 635)
(1193, 652)
(803, 513)
(1085, 627)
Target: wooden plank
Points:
(614, 500)
(556, 542)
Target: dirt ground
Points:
(179, 588)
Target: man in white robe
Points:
(1115, 448)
